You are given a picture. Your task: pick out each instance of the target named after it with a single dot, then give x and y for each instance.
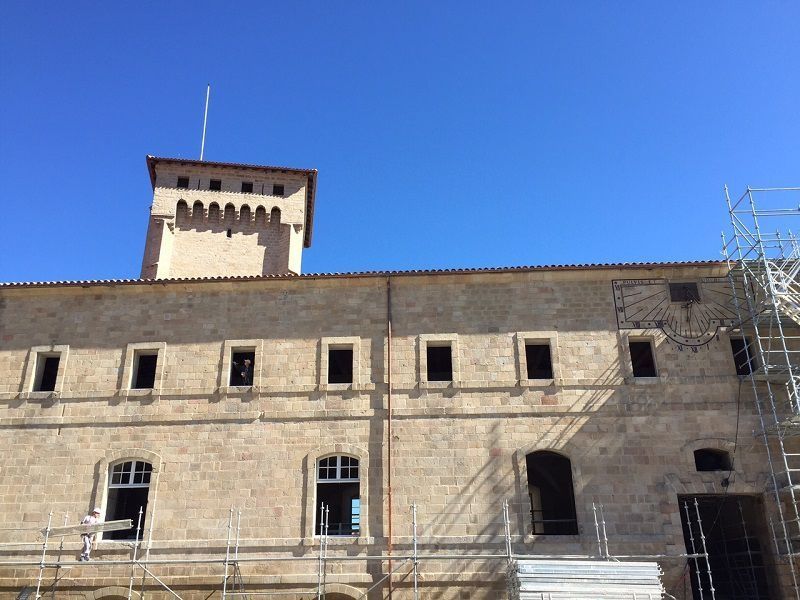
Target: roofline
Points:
(311, 181)
(366, 274)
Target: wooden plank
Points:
(97, 527)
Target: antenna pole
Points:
(205, 120)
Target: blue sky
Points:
(447, 134)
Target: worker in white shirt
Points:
(88, 538)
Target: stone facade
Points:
(241, 462)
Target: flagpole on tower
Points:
(205, 120)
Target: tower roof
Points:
(310, 174)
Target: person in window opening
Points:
(88, 538)
(245, 371)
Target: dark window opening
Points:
(537, 358)
(46, 373)
(709, 459)
(440, 363)
(340, 365)
(183, 182)
(338, 496)
(243, 364)
(642, 359)
(215, 185)
(247, 187)
(229, 233)
(551, 494)
(127, 493)
(743, 356)
(684, 292)
(277, 190)
(144, 369)
(737, 540)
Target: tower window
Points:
(277, 190)
(243, 364)
(440, 362)
(144, 370)
(46, 372)
(340, 365)
(743, 356)
(215, 185)
(247, 187)
(183, 182)
(642, 359)
(537, 358)
(551, 494)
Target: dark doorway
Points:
(551, 494)
(737, 543)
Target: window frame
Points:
(178, 182)
(753, 362)
(641, 339)
(335, 480)
(574, 477)
(35, 354)
(128, 369)
(438, 339)
(282, 190)
(325, 345)
(245, 184)
(228, 348)
(211, 183)
(522, 339)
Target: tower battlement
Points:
(213, 219)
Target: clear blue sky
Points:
(446, 134)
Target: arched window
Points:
(711, 459)
(181, 211)
(261, 215)
(275, 215)
(128, 488)
(197, 211)
(230, 212)
(213, 212)
(338, 494)
(244, 214)
(551, 493)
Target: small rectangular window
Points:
(183, 182)
(537, 357)
(247, 187)
(46, 372)
(144, 370)
(277, 190)
(642, 359)
(243, 364)
(215, 185)
(743, 356)
(440, 363)
(340, 365)
(684, 292)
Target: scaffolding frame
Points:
(764, 274)
(232, 581)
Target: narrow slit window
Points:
(144, 370)
(277, 190)
(247, 187)
(46, 372)
(340, 365)
(642, 359)
(537, 358)
(743, 356)
(215, 185)
(183, 182)
(243, 364)
(440, 362)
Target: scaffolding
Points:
(406, 566)
(764, 273)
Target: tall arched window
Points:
(128, 488)
(338, 493)
(551, 493)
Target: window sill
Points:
(438, 385)
(237, 390)
(138, 392)
(340, 540)
(39, 395)
(646, 380)
(531, 538)
(536, 382)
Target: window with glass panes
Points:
(128, 488)
(338, 496)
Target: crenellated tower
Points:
(212, 219)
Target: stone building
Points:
(368, 393)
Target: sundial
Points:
(688, 312)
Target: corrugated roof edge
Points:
(355, 274)
(311, 175)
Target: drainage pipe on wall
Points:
(389, 422)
